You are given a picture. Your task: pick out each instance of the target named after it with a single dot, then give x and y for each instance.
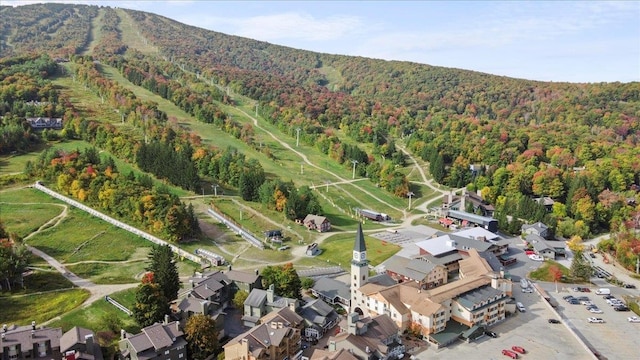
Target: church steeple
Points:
(359, 245)
(359, 269)
(360, 248)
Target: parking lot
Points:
(615, 339)
(530, 330)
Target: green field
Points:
(82, 237)
(91, 317)
(338, 249)
(40, 307)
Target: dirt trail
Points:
(97, 291)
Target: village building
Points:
(80, 344)
(269, 341)
(163, 341)
(477, 300)
(539, 229)
(317, 223)
(375, 337)
(30, 342)
(332, 291)
(261, 302)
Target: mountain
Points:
(571, 142)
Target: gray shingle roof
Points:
(155, 337)
(477, 296)
(331, 288)
(256, 298)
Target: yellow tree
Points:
(575, 243)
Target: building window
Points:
(180, 356)
(166, 352)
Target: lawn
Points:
(81, 237)
(543, 274)
(109, 273)
(40, 307)
(338, 250)
(25, 218)
(91, 317)
(40, 281)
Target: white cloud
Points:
(283, 26)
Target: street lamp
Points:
(353, 176)
(215, 189)
(298, 137)
(410, 195)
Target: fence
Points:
(237, 229)
(118, 305)
(38, 185)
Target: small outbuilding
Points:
(317, 222)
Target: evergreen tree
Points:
(580, 268)
(165, 271)
(151, 304)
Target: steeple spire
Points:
(359, 245)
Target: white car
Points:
(535, 257)
(586, 303)
(595, 311)
(633, 319)
(595, 320)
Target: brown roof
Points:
(342, 354)
(261, 337)
(284, 315)
(455, 288)
(243, 277)
(380, 329)
(474, 265)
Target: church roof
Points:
(359, 246)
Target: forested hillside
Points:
(578, 144)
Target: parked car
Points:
(518, 349)
(567, 297)
(527, 290)
(593, 256)
(595, 311)
(629, 286)
(607, 297)
(595, 320)
(574, 301)
(510, 354)
(621, 308)
(633, 319)
(586, 302)
(535, 257)
(491, 334)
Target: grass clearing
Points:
(81, 237)
(25, 218)
(40, 281)
(110, 273)
(91, 317)
(21, 310)
(543, 274)
(337, 250)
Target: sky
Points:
(574, 41)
